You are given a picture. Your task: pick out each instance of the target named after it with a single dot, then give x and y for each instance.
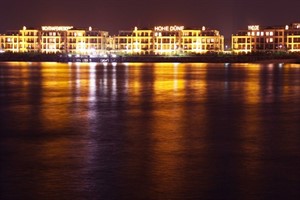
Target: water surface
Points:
(149, 131)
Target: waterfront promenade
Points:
(203, 58)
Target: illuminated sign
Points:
(56, 28)
(253, 27)
(168, 28)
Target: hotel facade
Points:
(168, 40)
(267, 39)
(160, 40)
(55, 39)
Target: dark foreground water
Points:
(149, 131)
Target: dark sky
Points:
(113, 15)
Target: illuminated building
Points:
(168, 40)
(55, 39)
(267, 39)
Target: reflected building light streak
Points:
(175, 77)
(114, 64)
(270, 67)
(92, 92)
(114, 82)
(78, 83)
(104, 81)
(126, 84)
(92, 82)
(226, 83)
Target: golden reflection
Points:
(251, 129)
(56, 96)
(57, 92)
(197, 84)
(18, 75)
(168, 149)
(291, 65)
(134, 76)
(172, 118)
(168, 78)
(290, 76)
(252, 84)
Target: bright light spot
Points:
(286, 27)
(175, 64)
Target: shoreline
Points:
(205, 58)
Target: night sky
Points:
(112, 15)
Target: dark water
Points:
(149, 131)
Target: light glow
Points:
(253, 27)
(56, 28)
(169, 28)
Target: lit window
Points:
(262, 33)
(271, 33)
(257, 33)
(271, 39)
(249, 33)
(267, 33)
(253, 33)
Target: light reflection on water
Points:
(149, 131)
